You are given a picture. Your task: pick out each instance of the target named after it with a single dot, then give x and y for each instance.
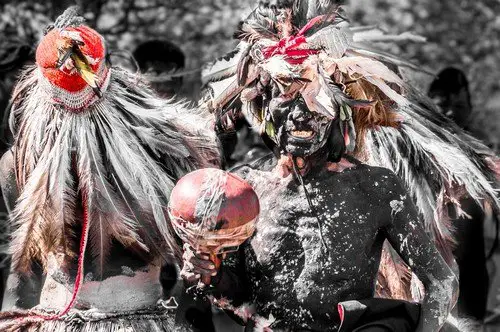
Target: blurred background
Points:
(166, 36)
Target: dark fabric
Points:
(194, 313)
(470, 255)
(379, 315)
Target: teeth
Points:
(302, 133)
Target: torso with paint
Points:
(292, 275)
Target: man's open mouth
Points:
(302, 134)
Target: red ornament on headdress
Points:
(48, 55)
(294, 48)
(72, 66)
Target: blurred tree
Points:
(203, 29)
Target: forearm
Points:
(439, 300)
(409, 239)
(227, 280)
(22, 292)
(229, 283)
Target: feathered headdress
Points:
(106, 165)
(307, 48)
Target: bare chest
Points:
(333, 234)
(309, 254)
(308, 257)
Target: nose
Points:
(299, 115)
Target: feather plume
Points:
(305, 10)
(69, 18)
(430, 153)
(379, 113)
(361, 49)
(44, 175)
(393, 95)
(108, 218)
(225, 66)
(322, 95)
(394, 276)
(333, 39)
(222, 94)
(430, 164)
(260, 24)
(356, 67)
(375, 34)
(126, 150)
(279, 69)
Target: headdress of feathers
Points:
(106, 167)
(307, 48)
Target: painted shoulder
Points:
(383, 180)
(266, 163)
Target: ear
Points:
(450, 90)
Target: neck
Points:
(305, 165)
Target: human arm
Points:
(408, 237)
(227, 281)
(8, 181)
(21, 291)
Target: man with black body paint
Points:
(305, 260)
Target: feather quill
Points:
(334, 40)
(225, 66)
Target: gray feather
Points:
(129, 149)
(333, 39)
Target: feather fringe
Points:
(92, 321)
(127, 149)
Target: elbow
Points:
(454, 290)
(443, 290)
(448, 290)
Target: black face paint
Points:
(299, 131)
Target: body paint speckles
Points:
(396, 206)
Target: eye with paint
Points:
(299, 131)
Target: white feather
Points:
(129, 149)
